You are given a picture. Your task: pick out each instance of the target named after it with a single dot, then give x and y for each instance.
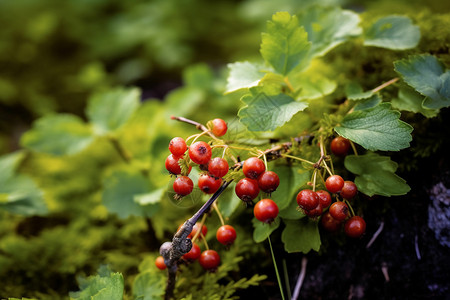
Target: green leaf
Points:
(243, 75)
(301, 236)
(61, 134)
(150, 201)
(105, 286)
(427, 75)
(376, 175)
(18, 193)
(120, 189)
(364, 104)
(285, 45)
(292, 180)
(393, 32)
(109, 111)
(9, 163)
(328, 27)
(409, 100)
(313, 85)
(262, 230)
(229, 201)
(184, 101)
(149, 285)
(354, 91)
(377, 128)
(265, 112)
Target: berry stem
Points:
(288, 84)
(297, 158)
(276, 269)
(205, 242)
(286, 279)
(350, 206)
(353, 148)
(199, 232)
(314, 179)
(219, 214)
(265, 161)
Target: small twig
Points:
(416, 247)
(196, 124)
(375, 235)
(384, 269)
(300, 279)
(180, 245)
(387, 83)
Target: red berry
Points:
(226, 235)
(349, 190)
(307, 199)
(200, 152)
(329, 223)
(339, 210)
(209, 260)
(159, 263)
(265, 210)
(334, 183)
(324, 198)
(355, 227)
(208, 184)
(247, 189)
(313, 213)
(183, 185)
(268, 181)
(193, 254)
(340, 146)
(177, 146)
(172, 164)
(197, 227)
(219, 127)
(253, 167)
(218, 167)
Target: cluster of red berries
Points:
(313, 203)
(256, 179)
(209, 259)
(199, 153)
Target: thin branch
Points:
(300, 279)
(386, 84)
(375, 235)
(416, 247)
(180, 245)
(196, 124)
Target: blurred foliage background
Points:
(55, 54)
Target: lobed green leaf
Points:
(328, 27)
(120, 189)
(265, 112)
(285, 45)
(109, 111)
(62, 134)
(376, 128)
(376, 175)
(410, 100)
(104, 286)
(243, 75)
(262, 230)
(393, 32)
(301, 236)
(427, 75)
